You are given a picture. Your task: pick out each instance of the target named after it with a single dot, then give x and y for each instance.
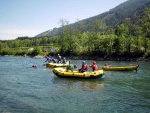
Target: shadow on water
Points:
(85, 84)
(50, 68)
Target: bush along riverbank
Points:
(40, 53)
(96, 58)
(100, 58)
(109, 58)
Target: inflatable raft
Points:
(53, 65)
(119, 68)
(61, 72)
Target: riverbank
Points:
(96, 58)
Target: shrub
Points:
(36, 51)
(147, 54)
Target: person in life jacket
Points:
(48, 59)
(84, 67)
(106, 65)
(75, 66)
(54, 60)
(64, 60)
(69, 66)
(94, 66)
(34, 66)
(59, 59)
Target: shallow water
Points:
(27, 90)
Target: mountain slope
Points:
(110, 18)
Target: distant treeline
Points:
(128, 38)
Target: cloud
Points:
(9, 34)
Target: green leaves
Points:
(36, 51)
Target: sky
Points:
(19, 18)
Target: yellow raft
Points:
(52, 65)
(61, 72)
(120, 68)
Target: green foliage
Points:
(7, 52)
(129, 38)
(21, 52)
(147, 54)
(36, 51)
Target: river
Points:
(24, 89)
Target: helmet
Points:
(75, 66)
(94, 62)
(69, 61)
(83, 62)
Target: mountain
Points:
(53, 32)
(110, 18)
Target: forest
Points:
(129, 38)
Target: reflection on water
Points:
(85, 84)
(50, 68)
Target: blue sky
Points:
(31, 17)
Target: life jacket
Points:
(53, 60)
(64, 61)
(84, 67)
(95, 68)
(70, 67)
(59, 57)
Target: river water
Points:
(27, 90)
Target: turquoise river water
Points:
(27, 90)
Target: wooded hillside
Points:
(128, 38)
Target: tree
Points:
(96, 26)
(62, 33)
(146, 27)
(122, 32)
(36, 51)
(0, 46)
(44, 41)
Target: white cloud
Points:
(9, 34)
